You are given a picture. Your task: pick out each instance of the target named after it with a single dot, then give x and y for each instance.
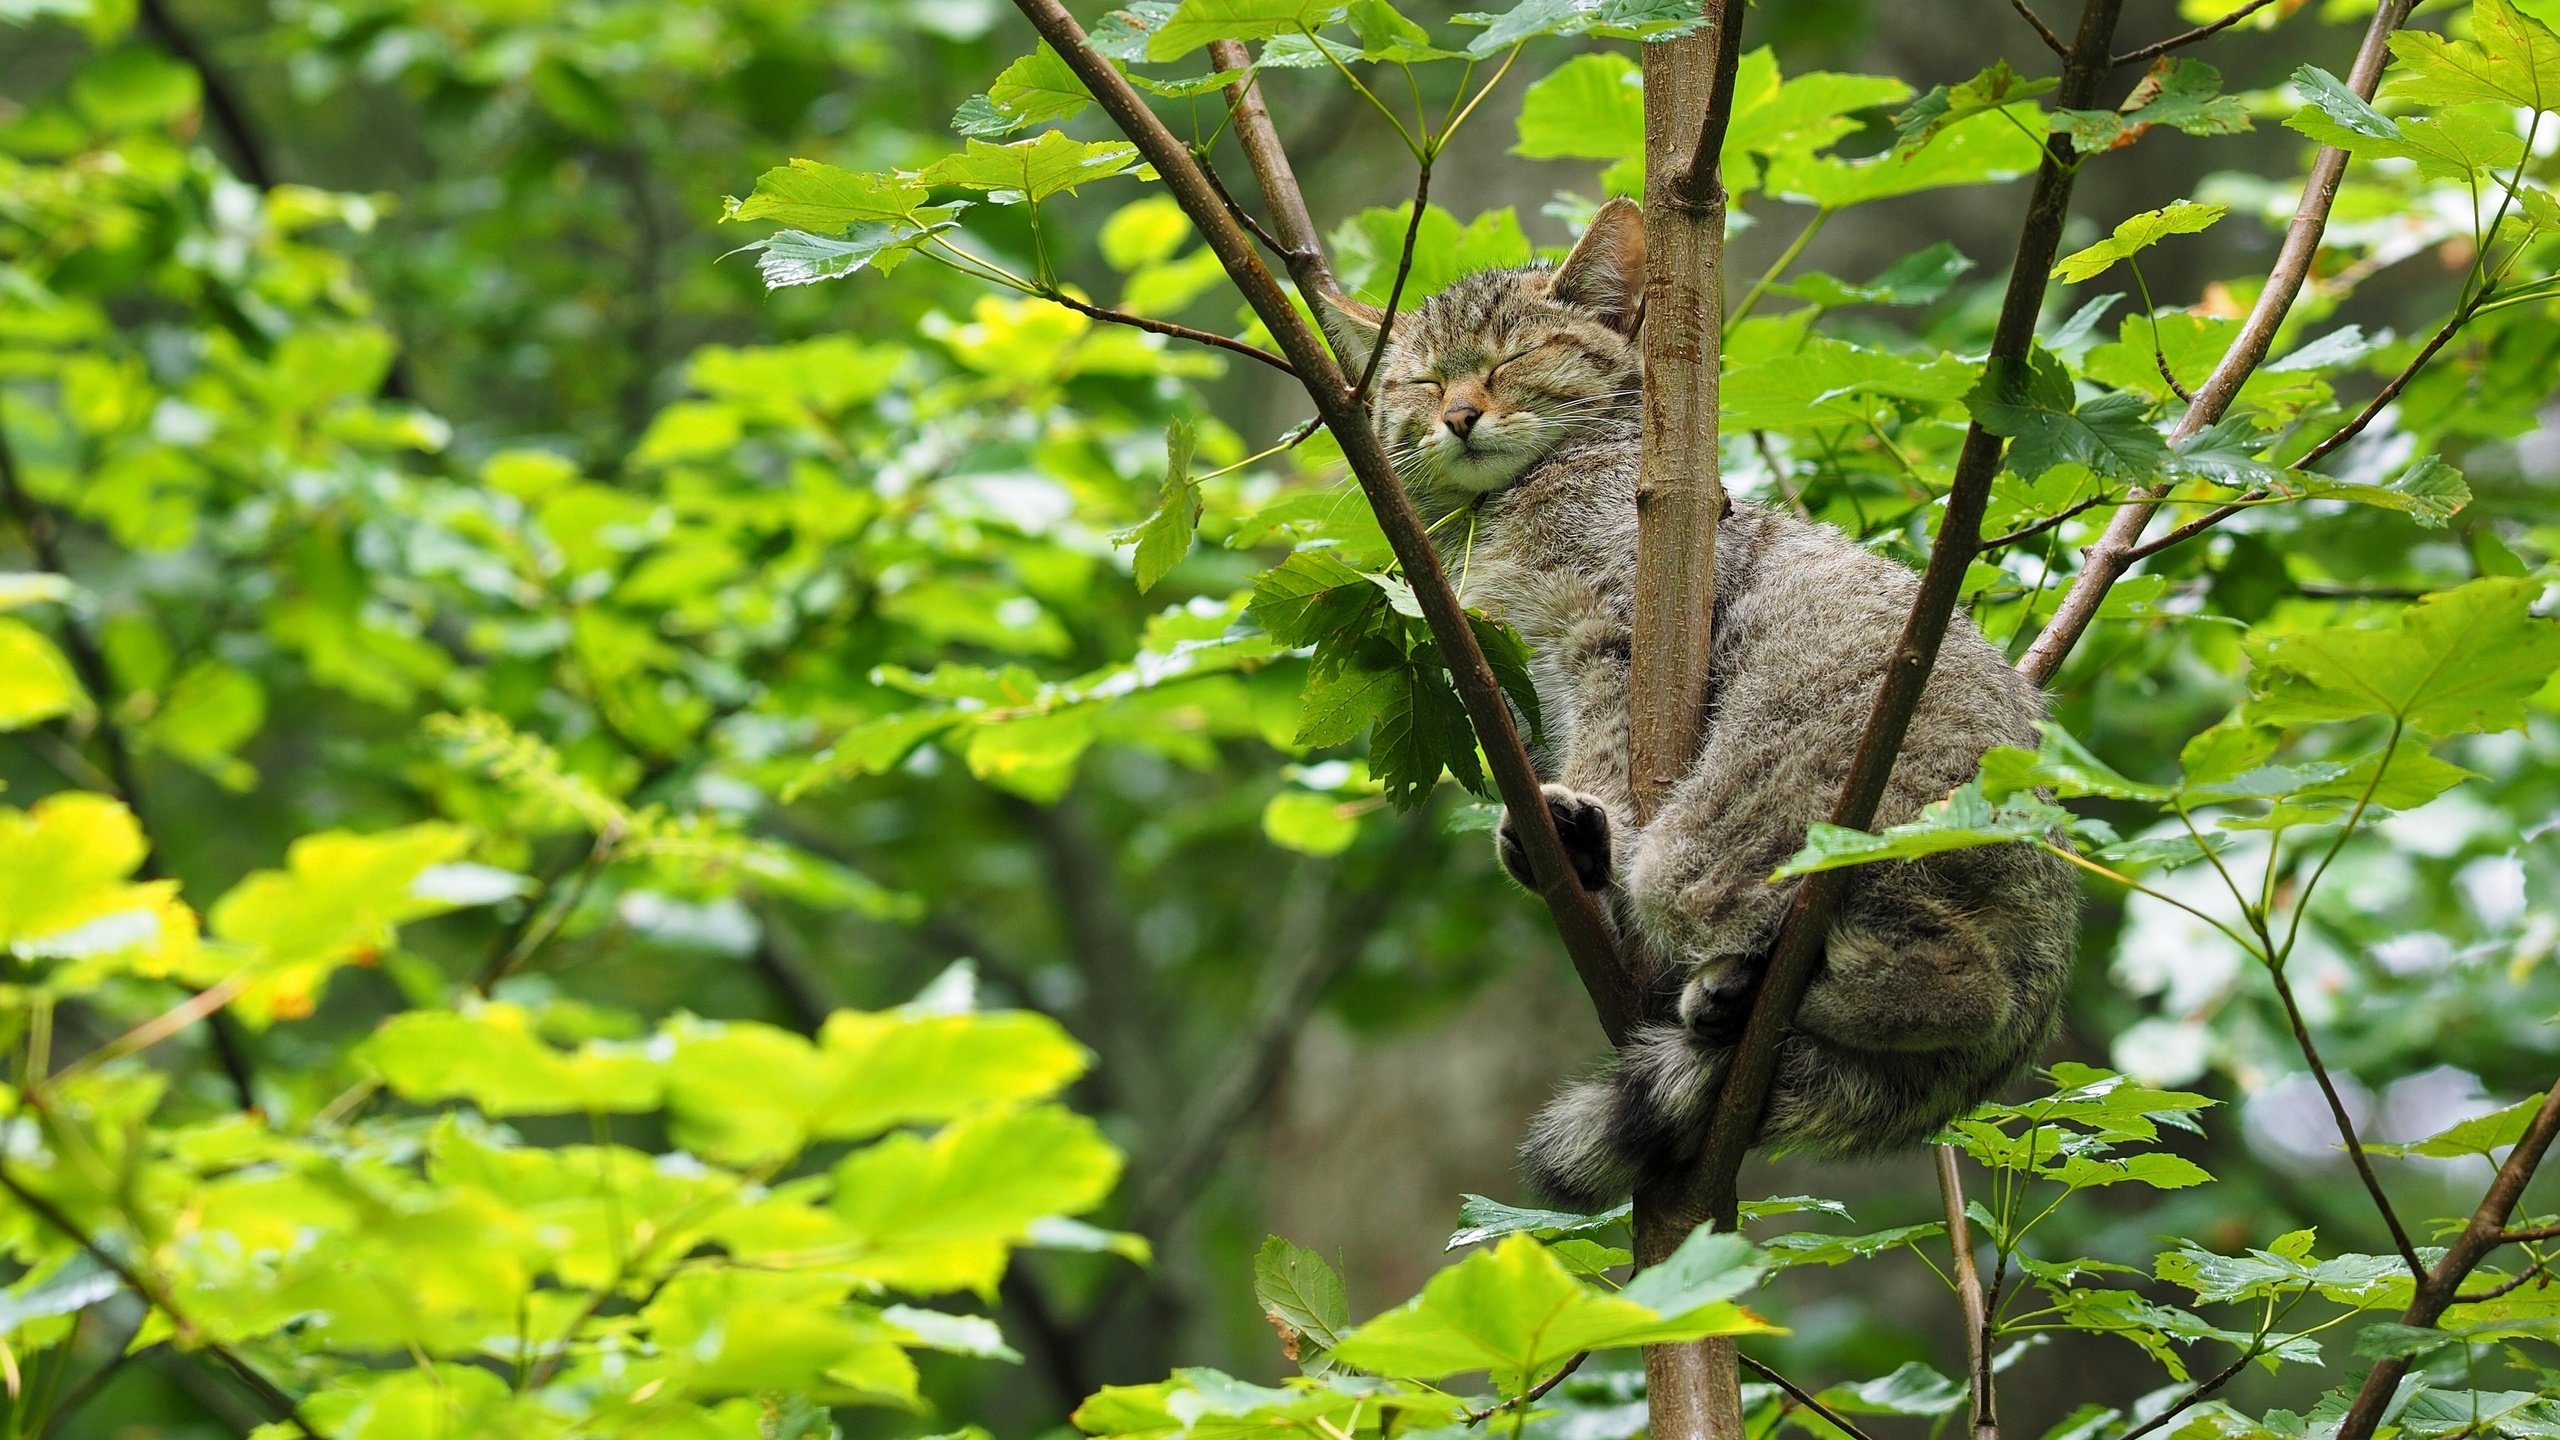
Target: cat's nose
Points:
(1461, 419)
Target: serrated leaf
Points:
(1164, 537)
(2460, 661)
(1481, 1219)
(2037, 407)
(1985, 149)
(1962, 821)
(2515, 60)
(1296, 1288)
(1995, 88)
(1195, 23)
(1616, 19)
(1422, 729)
(796, 257)
(813, 195)
(1036, 89)
(1516, 1311)
(1589, 108)
(1030, 170)
(2479, 1135)
(2182, 94)
(2184, 217)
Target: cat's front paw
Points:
(1716, 1003)
(1582, 823)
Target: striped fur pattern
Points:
(1942, 978)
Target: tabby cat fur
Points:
(1518, 393)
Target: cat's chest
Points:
(1549, 573)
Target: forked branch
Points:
(2441, 1286)
(2119, 546)
(1586, 935)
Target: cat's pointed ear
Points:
(1352, 327)
(1605, 272)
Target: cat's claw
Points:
(1582, 823)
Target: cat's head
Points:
(1495, 373)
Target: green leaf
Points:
(1423, 729)
(1921, 278)
(1516, 1311)
(1616, 19)
(1962, 821)
(1509, 657)
(926, 1215)
(131, 88)
(1309, 596)
(36, 682)
(2460, 661)
(2429, 492)
(1709, 1266)
(2037, 406)
(1197, 22)
(1812, 1247)
(812, 195)
(1798, 116)
(492, 1056)
(2479, 1135)
(1986, 149)
(1368, 246)
(1995, 88)
(796, 257)
(2179, 93)
(1339, 706)
(2149, 228)
(1038, 88)
(1913, 1389)
(1165, 536)
(2514, 61)
(1303, 1298)
(1481, 1219)
(1589, 108)
(1030, 170)
(1311, 823)
(1825, 382)
(2341, 104)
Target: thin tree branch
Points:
(1242, 216)
(2043, 31)
(1799, 946)
(2442, 1285)
(1805, 1398)
(2535, 1271)
(2029, 532)
(248, 147)
(2346, 1123)
(1528, 1397)
(2184, 533)
(2528, 1234)
(1166, 327)
(2195, 1396)
(1977, 1309)
(1586, 934)
(2391, 388)
(44, 543)
(1395, 292)
(158, 1294)
(2158, 48)
(1301, 248)
(2107, 561)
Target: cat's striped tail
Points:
(1644, 1114)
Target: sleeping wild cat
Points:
(1518, 392)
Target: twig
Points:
(2532, 1272)
(2346, 1124)
(1528, 1397)
(1395, 292)
(1804, 1397)
(2158, 48)
(1301, 248)
(248, 148)
(2391, 388)
(1242, 216)
(2108, 560)
(2529, 1234)
(2194, 1396)
(157, 1294)
(2442, 1285)
(1586, 935)
(2184, 533)
(1801, 939)
(1977, 1309)
(1166, 327)
(44, 542)
(2029, 532)
(2044, 32)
